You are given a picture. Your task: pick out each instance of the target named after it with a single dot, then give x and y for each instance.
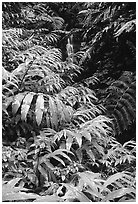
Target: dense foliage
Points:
(68, 92)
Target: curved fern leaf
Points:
(57, 22)
(39, 108)
(26, 105)
(127, 27)
(69, 142)
(53, 113)
(119, 193)
(86, 112)
(58, 159)
(51, 38)
(17, 102)
(98, 126)
(60, 152)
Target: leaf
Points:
(78, 138)
(118, 193)
(73, 193)
(10, 184)
(18, 196)
(126, 27)
(53, 113)
(58, 159)
(58, 135)
(26, 105)
(39, 108)
(113, 178)
(91, 154)
(60, 152)
(21, 67)
(49, 198)
(91, 180)
(69, 142)
(12, 193)
(87, 135)
(43, 172)
(17, 102)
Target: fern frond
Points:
(73, 193)
(86, 136)
(26, 105)
(91, 81)
(92, 182)
(69, 95)
(56, 155)
(80, 95)
(86, 112)
(37, 73)
(119, 154)
(126, 27)
(11, 38)
(98, 126)
(121, 102)
(120, 193)
(48, 83)
(9, 83)
(49, 111)
(77, 57)
(57, 22)
(17, 102)
(51, 38)
(39, 108)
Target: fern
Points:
(89, 186)
(60, 129)
(85, 138)
(57, 23)
(87, 112)
(90, 81)
(118, 155)
(98, 126)
(120, 102)
(113, 180)
(49, 108)
(37, 72)
(70, 71)
(78, 94)
(13, 193)
(44, 152)
(51, 38)
(10, 83)
(127, 27)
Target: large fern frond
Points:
(37, 72)
(121, 101)
(78, 94)
(88, 131)
(45, 110)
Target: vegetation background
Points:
(69, 101)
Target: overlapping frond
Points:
(90, 137)
(9, 83)
(127, 27)
(78, 94)
(37, 72)
(120, 102)
(86, 113)
(48, 111)
(120, 154)
(64, 100)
